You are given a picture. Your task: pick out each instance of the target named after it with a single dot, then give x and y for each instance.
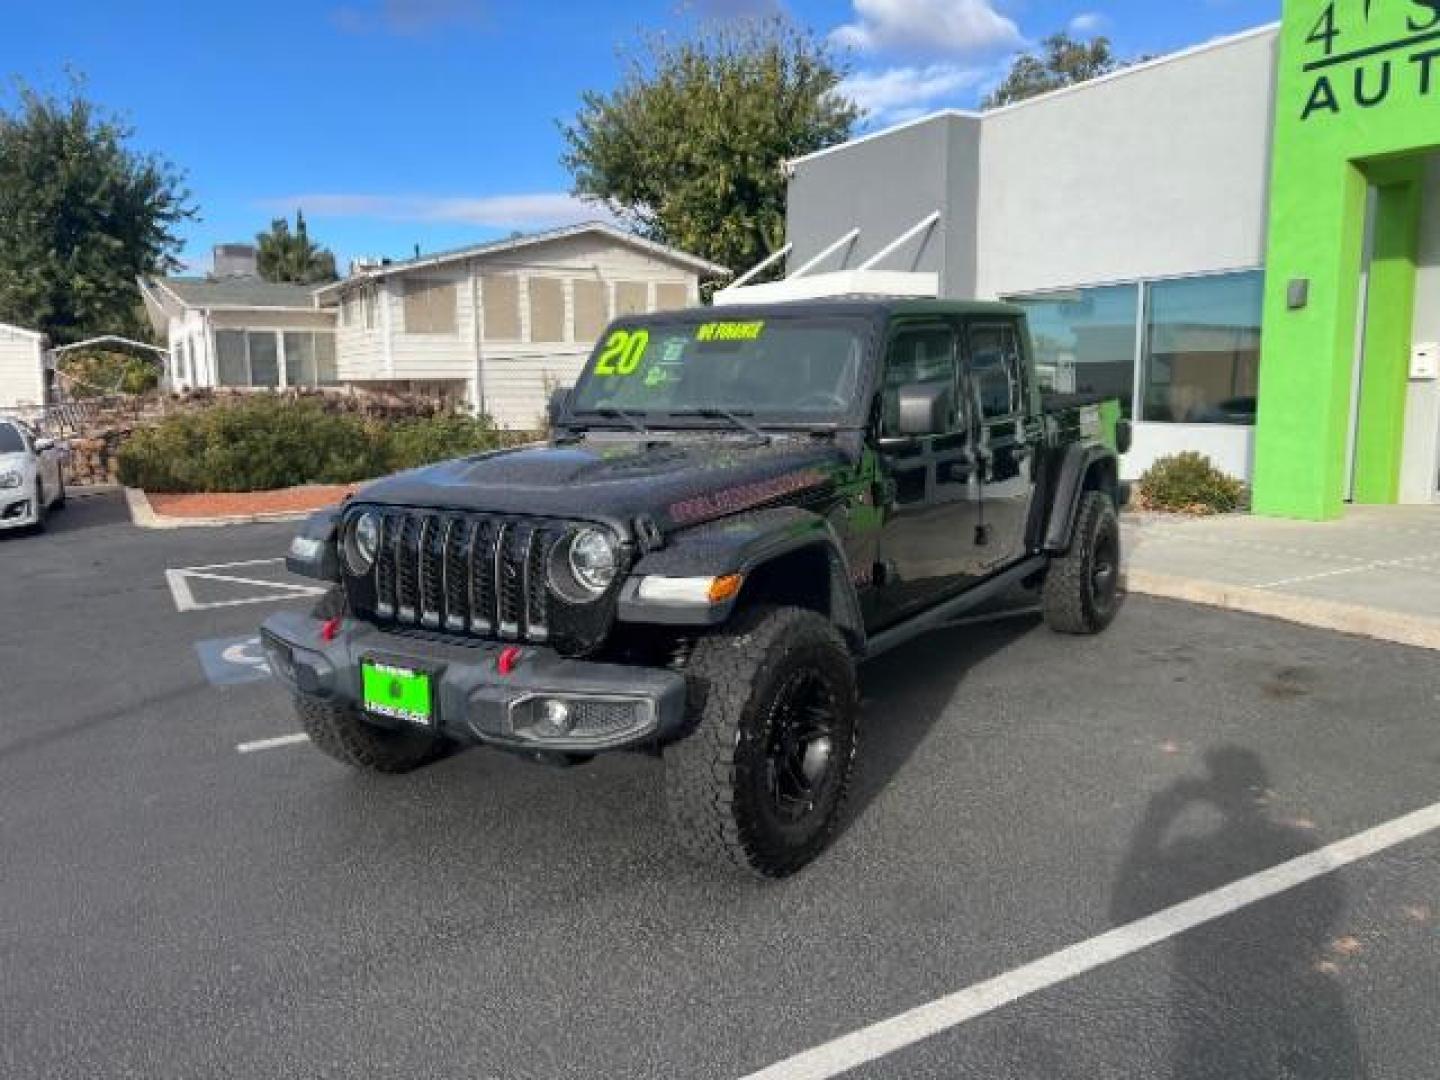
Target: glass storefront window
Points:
(1085, 340)
(1202, 350)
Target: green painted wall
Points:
(1358, 96)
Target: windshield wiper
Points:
(610, 413)
(736, 418)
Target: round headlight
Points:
(593, 560)
(362, 541)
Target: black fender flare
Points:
(743, 545)
(1071, 481)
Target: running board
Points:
(950, 609)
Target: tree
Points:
(82, 215)
(688, 149)
(1061, 61)
(292, 257)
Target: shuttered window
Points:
(631, 297)
(671, 295)
(429, 307)
(501, 303)
(547, 309)
(591, 309)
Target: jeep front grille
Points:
(464, 574)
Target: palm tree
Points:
(291, 257)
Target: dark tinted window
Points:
(995, 369)
(11, 441)
(917, 356)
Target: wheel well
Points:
(1103, 476)
(798, 578)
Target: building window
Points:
(232, 367)
(1202, 349)
(264, 358)
(591, 309)
(501, 303)
(547, 309)
(1085, 340)
(429, 307)
(671, 295)
(631, 297)
(309, 358)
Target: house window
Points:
(233, 369)
(309, 358)
(631, 297)
(1084, 340)
(1202, 349)
(591, 312)
(429, 307)
(264, 358)
(501, 304)
(547, 309)
(671, 295)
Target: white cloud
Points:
(903, 93)
(965, 27)
(532, 210)
(1088, 23)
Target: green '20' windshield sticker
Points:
(624, 349)
(730, 331)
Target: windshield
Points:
(10, 440)
(804, 370)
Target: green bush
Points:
(422, 441)
(1189, 483)
(264, 442)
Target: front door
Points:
(1005, 447)
(929, 484)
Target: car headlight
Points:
(11, 479)
(362, 541)
(593, 561)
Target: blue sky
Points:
(434, 122)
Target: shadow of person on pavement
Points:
(1251, 994)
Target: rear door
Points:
(1007, 432)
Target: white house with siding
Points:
(494, 325)
(500, 323)
(26, 367)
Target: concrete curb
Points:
(1368, 622)
(145, 517)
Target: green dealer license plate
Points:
(397, 692)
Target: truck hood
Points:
(675, 482)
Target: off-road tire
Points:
(1082, 591)
(716, 777)
(342, 732)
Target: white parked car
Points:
(32, 481)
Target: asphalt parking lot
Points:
(171, 906)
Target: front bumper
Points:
(614, 706)
(17, 511)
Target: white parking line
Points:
(184, 596)
(271, 744)
(908, 1028)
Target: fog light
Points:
(554, 718)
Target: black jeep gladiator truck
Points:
(735, 505)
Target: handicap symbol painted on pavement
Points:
(233, 661)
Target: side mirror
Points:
(41, 445)
(559, 403)
(925, 408)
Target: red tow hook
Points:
(508, 658)
(329, 628)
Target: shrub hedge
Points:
(265, 442)
(1189, 483)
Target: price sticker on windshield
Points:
(730, 331)
(624, 349)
